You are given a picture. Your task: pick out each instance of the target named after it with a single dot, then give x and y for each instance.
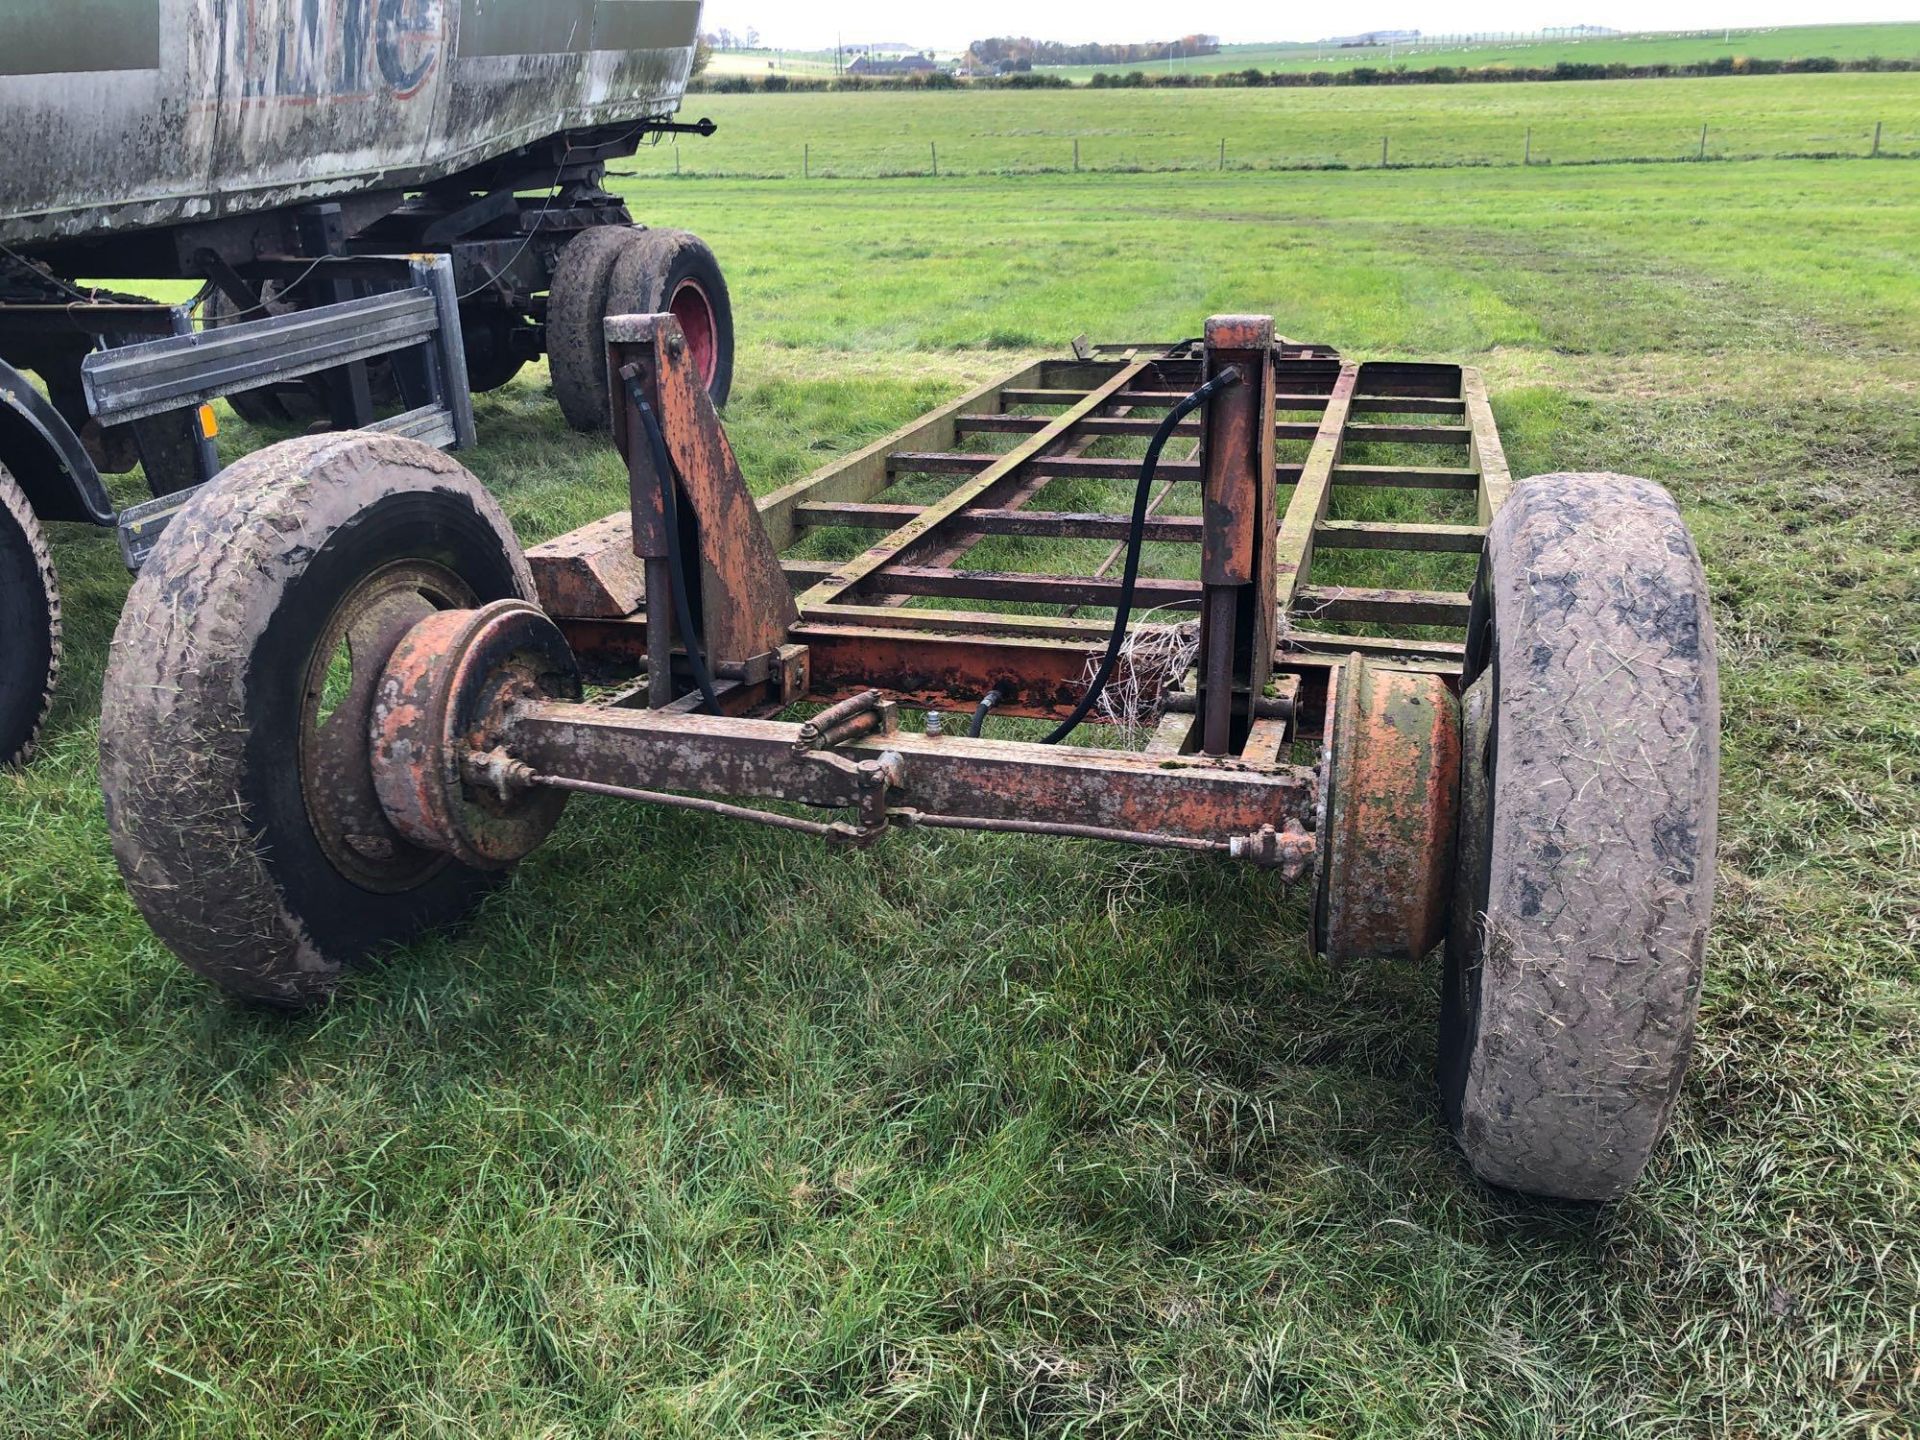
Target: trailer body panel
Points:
(134, 114)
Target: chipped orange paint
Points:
(447, 692)
(1379, 820)
(745, 604)
(1393, 798)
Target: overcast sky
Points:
(807, 25)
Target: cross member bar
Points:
(989, 781)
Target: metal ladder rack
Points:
(183, 372)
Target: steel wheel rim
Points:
(691, 307)
(336, 779)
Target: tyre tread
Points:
(18, 749)
(576, 312)
(647, 274)
(172, 745)
(1601, 868)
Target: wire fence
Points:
(853, 159)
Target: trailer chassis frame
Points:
(477, 731)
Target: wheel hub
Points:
(694, 311)
(343, 811)
(445, 702)
(1387, 868)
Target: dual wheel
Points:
(252, 656)
(605, 270)
(615, 270)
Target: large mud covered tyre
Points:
(1586, 843)
(576, 322)
(674, 272)
(235, 720)
(29, 625)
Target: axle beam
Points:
(1000, 784)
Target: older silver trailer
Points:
(124, 114)
(294, 154)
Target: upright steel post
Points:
(1239, 525)
(448, 353)
(649, 516)
(739, 605)
(349, 394)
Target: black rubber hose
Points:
(1142, 497)
(676, 562)
(979, 722)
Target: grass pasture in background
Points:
(706, 1130)
(985, 132)
(812, 64)
(1790, 42)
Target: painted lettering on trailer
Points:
(302, 51)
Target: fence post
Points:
(1383, 152)
(1526, 157)
(933, 149)
(1076, 157)
(1223, 153)
(1703, 142)
(1876, 136)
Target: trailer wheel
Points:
(1586, 843)
(576, 322)
(29, 625)
(673, 272)
(236, 718)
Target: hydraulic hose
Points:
(1123, 613)
(979, 721)
(676, 561)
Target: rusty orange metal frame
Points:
(1025, 627)
(794, 599)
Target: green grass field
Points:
(702, 1130)
(1010, 132)
(1790, 42)
(812, 64)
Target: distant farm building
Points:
(905, 65)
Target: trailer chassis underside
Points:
(1242, 756)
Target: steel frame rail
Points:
(857, 632)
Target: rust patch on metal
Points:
(332, 747)
(1290, 851)
(591, 572)
(1392, 796)
(745, 604)
(445, 701)
(1376, 824)
(990, 780)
